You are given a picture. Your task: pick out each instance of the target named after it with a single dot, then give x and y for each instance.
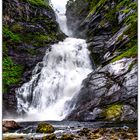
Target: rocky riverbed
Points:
(68, 131)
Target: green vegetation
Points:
(32, 51)
(11, 72)
(17, 27)
(23, 35)
(131, 66)
(46, 38)
(42, 3)
(96, 6)
(92, 3)
(132, 52)
(113, 111)
(45, 128)
(10, 35)
(38, 39)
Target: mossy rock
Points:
(131, 52)
(39, 3)
(50, 137)
(113, 112)
(45, 128)
(17, 27)
(67, 137)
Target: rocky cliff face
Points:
(29, 27)
(110, 28)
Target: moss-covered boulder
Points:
(50, 137)
(45, 128)
(67, 137)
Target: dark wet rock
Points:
(108, 93)
(45, 128)
(50, 137)
(73, 13)
(129, 113)
(9, 103)
(84, 132)
(10, 125)
(111, 134)
(111, 88)
(67, 137)
(108, 133)
(103, 24)
(14, 138)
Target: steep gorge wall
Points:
(29, 28)
(110, 28)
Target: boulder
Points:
(45, 128)
(50, 137)
(67, 137)
(10, 125)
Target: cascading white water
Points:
(59, 9)
(55, 80)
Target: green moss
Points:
(123, 3)
(45, 128)
(131, 66)
(92, 3)
(45, 38)
(67, 137)
(96, 7)
(43, 3)
(113, 111)
(39, 39)
(11, 72)
(111, 15)
(126, 6)
(4, 48)
(10, 35)
(32, 51)
(132, 52)
(17, 27)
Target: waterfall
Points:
(56, 79)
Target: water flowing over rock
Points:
(64, 84)
(65, 65)
(64, 68)
(28, 30)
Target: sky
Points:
(59, 5)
